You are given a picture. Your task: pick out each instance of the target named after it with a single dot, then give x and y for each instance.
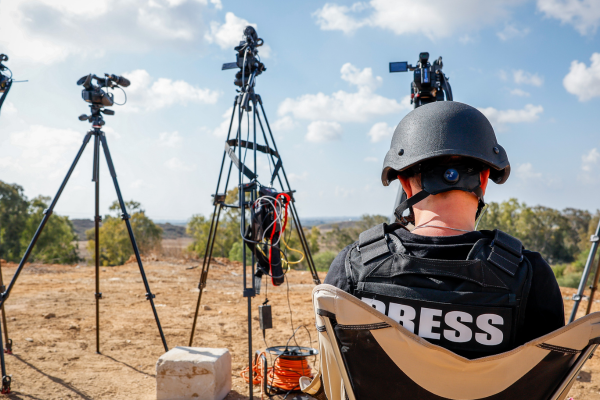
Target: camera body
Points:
(99, 98)
(94, 94)
(5, 80)
(247, 59)
(429, 83)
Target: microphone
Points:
(119, 80)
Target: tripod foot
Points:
(8, 349)
(5, 385)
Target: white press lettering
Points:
(461, 333)
(484, 322)
(427, 323)
(376, 304)
(405, 315)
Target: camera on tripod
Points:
(94, 93)
(429, 83)
(5, 79)
(99, 98)
(247, 59)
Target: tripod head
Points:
(99, 98)
(429, 83)
(247, 60)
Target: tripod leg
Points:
(8, 341)
(97, 219)
(47, 214)
(206, 263)
(593, 289)
(586, 273)
(149, 295)
(6, 379)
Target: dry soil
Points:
(51, 320)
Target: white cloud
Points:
(223, 128)
(8, 108)
(503, 75)
(527, 173)
(582, 81)
(371, 159)
(519, 92)
(175, 164)
(283, 124)
(49, 31)
(527, 78)
(511, 31)
(590, 159)
(323, 131)
(40, 149)
(229, 34)
(170, 139)
(443, 18)
(584, 15)
(380, 131)
(343, 106)
(360, 78)
(529, 113)
(333, 17)
(146, 94)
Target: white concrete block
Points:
(194, 373)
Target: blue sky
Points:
(532, 66)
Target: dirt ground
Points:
(51, 320)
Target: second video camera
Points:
(429, 83)
(94, 94)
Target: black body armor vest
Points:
(473, 307)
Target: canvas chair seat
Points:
(367, 355)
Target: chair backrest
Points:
(367, 355)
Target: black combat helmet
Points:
(444, 128)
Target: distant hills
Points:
(176, 229)
(170, 231)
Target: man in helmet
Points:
(476, 293)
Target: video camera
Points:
(99, 98)
(247, 59)
(5, 80)
(429, 83)
(94, 94)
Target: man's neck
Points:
(447, 214)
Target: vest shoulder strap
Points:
(372, 243)
(506, 253)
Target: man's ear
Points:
(484, 177)
(405, 182)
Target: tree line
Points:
(561, 236)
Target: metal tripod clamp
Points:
(125, 216)
(98, 295)
(6, 380)
(150, 296)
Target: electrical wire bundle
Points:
(284, 375)
(266, 234)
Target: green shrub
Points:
(323, 260)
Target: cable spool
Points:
(291, 363)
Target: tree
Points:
(58, 241)
(13, 217)
(115, 245)
(228, 230)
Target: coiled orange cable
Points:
(285, 373)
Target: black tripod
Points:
(246, 104)
(99, 141)
(586, 273)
